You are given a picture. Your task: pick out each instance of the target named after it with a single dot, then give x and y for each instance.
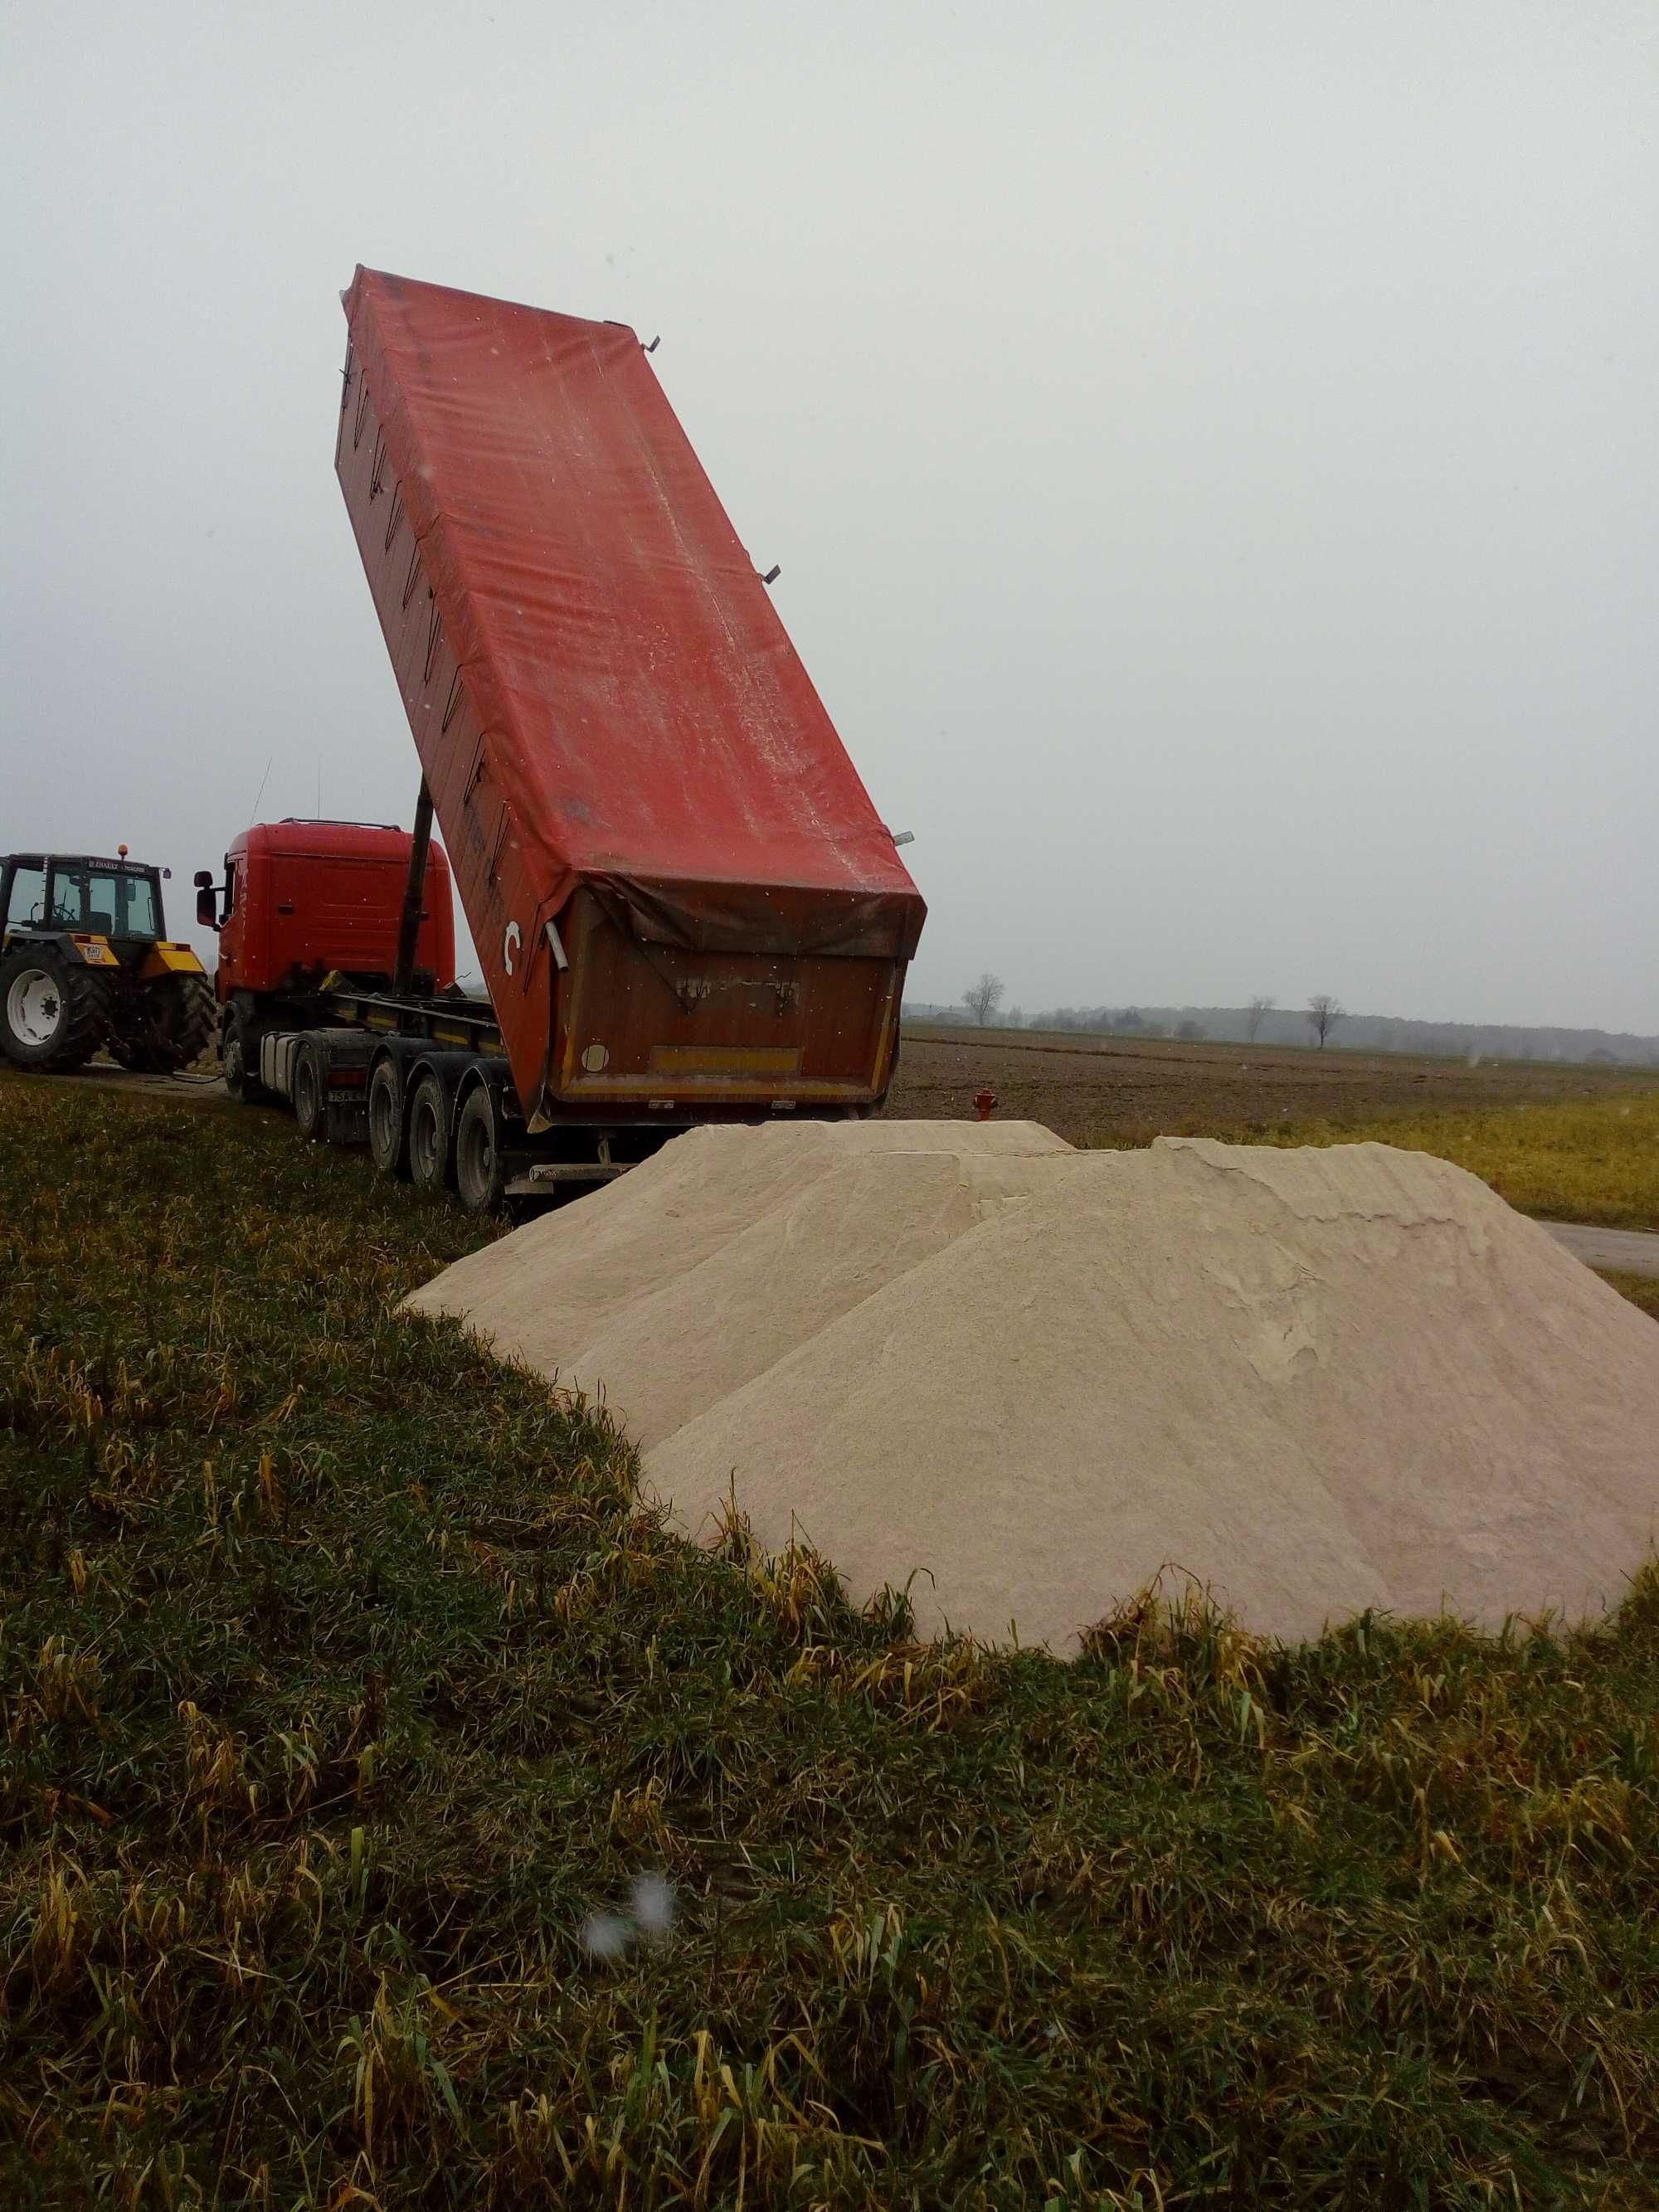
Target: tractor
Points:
(85, 961)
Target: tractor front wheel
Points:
(179, 1017)
(53, 1013)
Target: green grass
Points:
(342, 1678)
(1641, 1289)
(1593, 1160)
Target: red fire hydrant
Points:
(985, 1102)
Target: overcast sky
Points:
(1211, 450)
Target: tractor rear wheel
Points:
(179, 1017)
(53, 1013)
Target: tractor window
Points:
(69, 900)
(105, 901)
(137, 913)
(26, 906)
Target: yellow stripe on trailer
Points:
(775, 1061)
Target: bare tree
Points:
(1257, 1012)
(982, 999)
(1323, 1015)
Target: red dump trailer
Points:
(685, 905)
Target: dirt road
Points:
(1089, 1087)
(1623, 1251)
(103, 1075)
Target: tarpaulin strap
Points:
(615, 912)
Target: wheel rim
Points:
(383, 1116)
(35, 1007)
(477, 1164)
(423, 1141)
(305, 1094)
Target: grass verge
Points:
(1594, 1160)
(344, 1682)
(1641, 1289)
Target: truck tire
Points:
(388, 1128)
(310, 1096)
(431, 1136)
(240, 1058)
(53, 1013)
(480, 1168)
(179, 1014)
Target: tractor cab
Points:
(97, 898)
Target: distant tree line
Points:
(1265, 1022)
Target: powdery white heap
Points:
(699, 1270)
(1031, 1378)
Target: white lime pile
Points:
(1026, 1381)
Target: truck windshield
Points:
(105, 901)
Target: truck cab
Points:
(309, 906)
(302, 900)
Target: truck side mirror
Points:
(207, 904)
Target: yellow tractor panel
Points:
(95, 951)
(164, 959)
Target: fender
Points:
(68, 945)
(166, 959)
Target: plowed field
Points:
(1119, 1090)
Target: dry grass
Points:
(341, 1681)
(1593, 1160)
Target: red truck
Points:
(685, 906)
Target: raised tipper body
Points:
(685, 906)
(681, 896)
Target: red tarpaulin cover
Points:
(640, 703)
